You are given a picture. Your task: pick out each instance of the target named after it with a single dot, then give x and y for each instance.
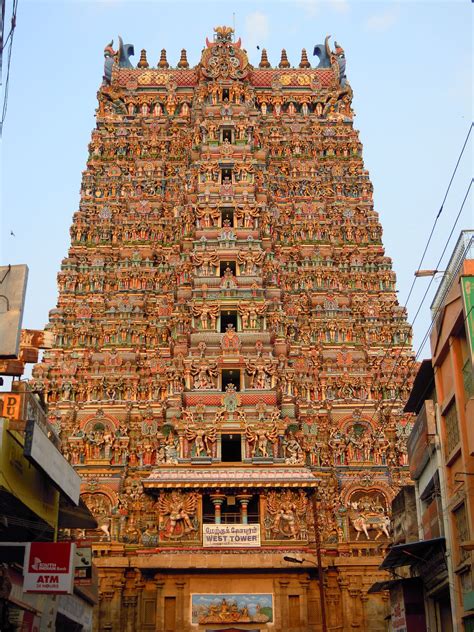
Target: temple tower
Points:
(229, 351)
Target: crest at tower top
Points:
(223, 58)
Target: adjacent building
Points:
(39, 494)
(441, 456)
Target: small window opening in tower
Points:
(226, 176)
(230, 376)
(252, 510)
(227, 135)
(231, 448)
(225, 265)
(227, 217)
(225, 94)
(228, 317)
(208, 511)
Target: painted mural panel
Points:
(231, 608)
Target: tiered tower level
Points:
(229, 346)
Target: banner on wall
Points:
(467, 289)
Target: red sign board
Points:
(49, 568)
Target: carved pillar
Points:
(304, 583)
(159, 623)
(105, 599)
(356, 607)
(180, 604)
(217, 500)
(116, 604)
(139, 587)
(244, 500)
(284, 603)
(128, 614)
(344, 585)
(364, 598)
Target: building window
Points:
(231, 448)
(227, 217)
(225, 266)
(230, 376)
(462, 529)
(227, 134)
(228, 317)
(226, 176)
(452, 427)
(231, 509)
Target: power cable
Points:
(428, 243)
(414, 360)
(444, 250)
(439, 212)
(7, 80)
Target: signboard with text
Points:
(231, 535)
(49, 567)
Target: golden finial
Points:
(143, 63)
(183, 60)
(163, 63)
(284, 63)
(264, 63)
(304, 63)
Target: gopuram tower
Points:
(230, 359)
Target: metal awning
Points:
(384, 585)
(256, 476)
(72, 517)
(413, 553)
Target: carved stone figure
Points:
(202, 439)
(177, 513)
(286, 515)
(368, 514)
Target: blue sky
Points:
(409, 64)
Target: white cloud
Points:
(382, 21)
(340, 6)
(311, 7)
(256, 28)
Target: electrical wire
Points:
(405, 342)
(444, 250)
(439, 213)
(7, 80)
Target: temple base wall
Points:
(139, 594)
